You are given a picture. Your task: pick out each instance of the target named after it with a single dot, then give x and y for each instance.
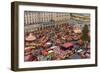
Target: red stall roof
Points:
(68, 44)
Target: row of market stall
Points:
(56, 44)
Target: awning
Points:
(31, 37)
(68, 44)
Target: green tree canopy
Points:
(85, 31)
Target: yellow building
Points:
(81, 17)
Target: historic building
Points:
(35, 20)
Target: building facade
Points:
(34, 20)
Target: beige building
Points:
(81, 17)
(34, 20)
(37, 17)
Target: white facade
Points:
(37, 17)
(34, 20)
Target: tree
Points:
(85, 31)
(85, 37)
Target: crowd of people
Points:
(56, 43)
